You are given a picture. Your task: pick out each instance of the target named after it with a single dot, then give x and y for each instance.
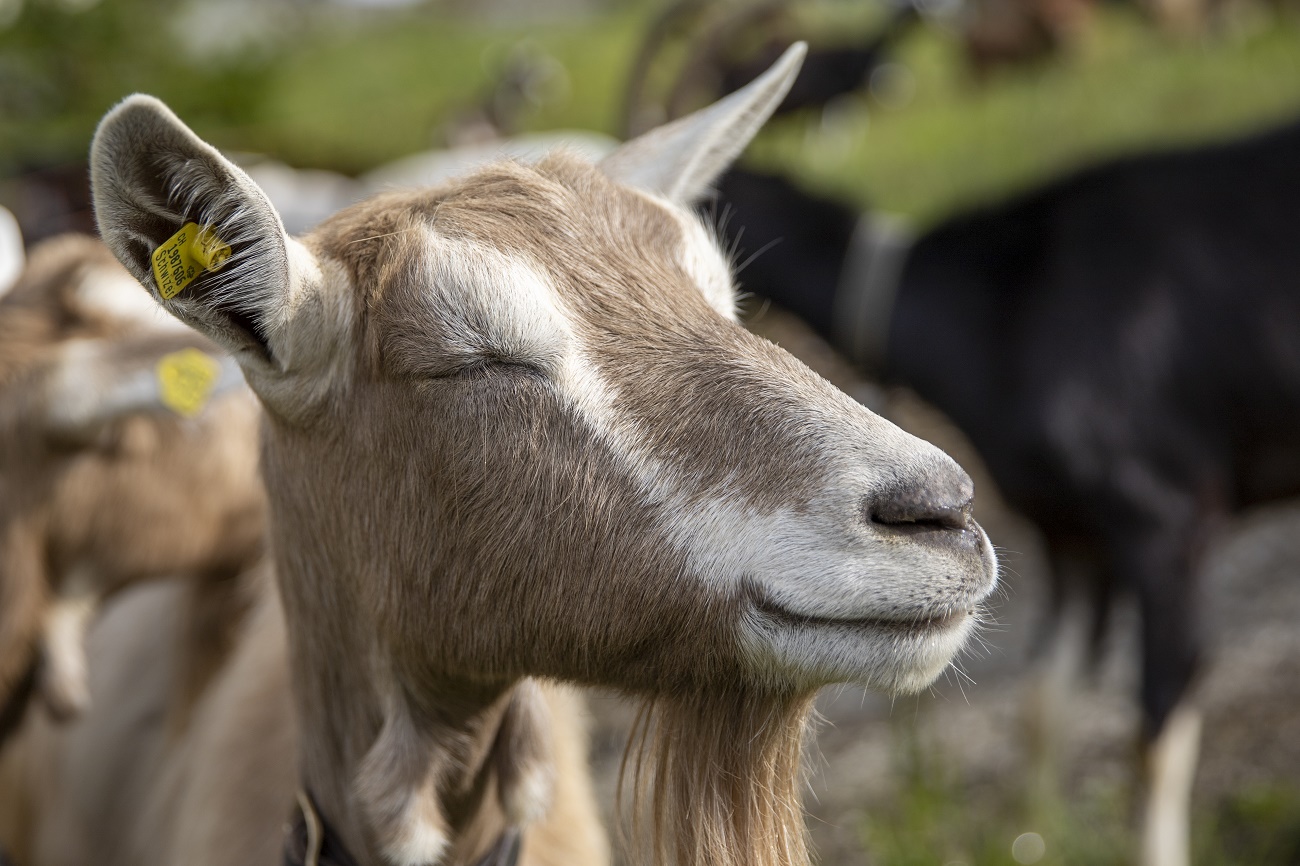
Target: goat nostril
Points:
(938, 497)
(920, 510)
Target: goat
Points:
(1120, 348)
(101, 483)
(828, 72)
(512, 432)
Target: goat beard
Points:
(716, 780)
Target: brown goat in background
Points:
(101, 483)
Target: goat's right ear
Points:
(680, 160)
(151, 176)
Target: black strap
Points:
(15, 706)
(311, 842)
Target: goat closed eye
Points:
(471, 368)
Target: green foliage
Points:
(351, 99)
(350, 91)
(938, 819)
(958, 141)
(1258, 826)
(60, 71)
(334, 90)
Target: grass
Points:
(335, 91)
(956, 142)
(934, 818)
(413, 72)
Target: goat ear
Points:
(151, 176)
(680, 160)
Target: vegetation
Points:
(348, 92)
(939, 819)
(1128, 88)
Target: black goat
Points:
(1122, 347)
(711, 71)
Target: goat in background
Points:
(112, 470)
(1119, 345)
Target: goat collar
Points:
(13, 708)
(868, 287)
(311, 842)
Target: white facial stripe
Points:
(724, 537)
(818, 559)
(484, 295)
(822, 560)
(495, 305)
(596, 401)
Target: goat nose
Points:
(940, 499)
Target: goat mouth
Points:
(898, 653)
(908, 626)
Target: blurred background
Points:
(967, 103)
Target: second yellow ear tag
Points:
(185, 381)
(185, 255)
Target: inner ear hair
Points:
(150, 176)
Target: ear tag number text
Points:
(185, 255)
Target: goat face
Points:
(514, 427)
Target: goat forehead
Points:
(585, 280)
(605, 289)
(606, 248)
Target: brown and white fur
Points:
(513, 432)
(101, 485)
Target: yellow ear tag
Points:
(185, 381)
(185, 255)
